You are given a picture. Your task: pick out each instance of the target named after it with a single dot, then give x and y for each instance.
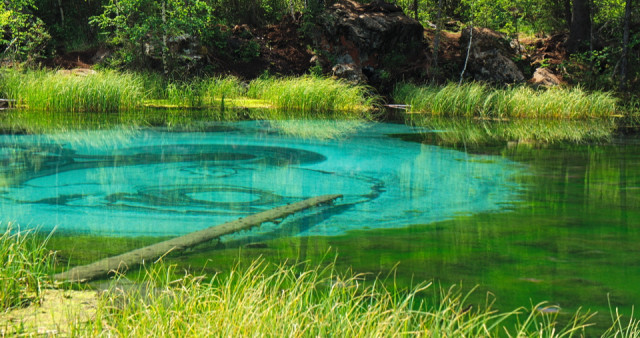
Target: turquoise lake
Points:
(525, 223)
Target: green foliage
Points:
(514, 17)
(143, 29)
(68, 22)
(248, 51)
(316, 70)
(473, 99)
(594, 68)
(25, 264)
(23, 37)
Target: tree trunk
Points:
(415, 10)
(567, 12)
(61, 12)
(580, 31)
(466, 60)
(150, 253)
(165, 48)
(625, 46)
(436, 41)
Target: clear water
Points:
(526, 223)
(150, 182)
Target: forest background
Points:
(599, 39)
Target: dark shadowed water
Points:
(526, 223)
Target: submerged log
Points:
(139, 256)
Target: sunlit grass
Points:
(109, 91)
(284, 300)
(25, 264)
(479, 100)
(57, 91)
(312, 94)
(299, 300)
(218, 88)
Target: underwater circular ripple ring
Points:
(158, 183)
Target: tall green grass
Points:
(479, 100)
(219, 88)
(25, 264)
(312, 94)
(109, 91)
(104, 91)
(280, 301)
(201, 93)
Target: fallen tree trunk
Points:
(139, 256)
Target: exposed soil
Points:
(58, 310)
(82, 59)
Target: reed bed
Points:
(25, 264)
(312, 94)
(479, 100)
(104, 91)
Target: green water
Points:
(573, 241)
(557, 223)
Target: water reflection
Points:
(141, 181)
(478, 132)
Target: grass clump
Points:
(105, 91)
(479, 100)
(312, 94)
(25, 264)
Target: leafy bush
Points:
(23, 37)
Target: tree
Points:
(436, 41)
(580, 29)
(625, 46)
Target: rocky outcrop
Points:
(491, 57)
(351, 37)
